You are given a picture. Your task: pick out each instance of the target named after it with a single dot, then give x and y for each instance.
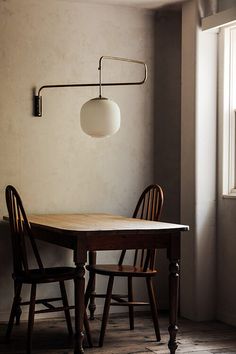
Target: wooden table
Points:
(93, 232)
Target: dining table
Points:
(86, 233)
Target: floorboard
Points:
(50, 337)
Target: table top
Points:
(100, 222)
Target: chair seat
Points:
(122, 270)
(47, 275)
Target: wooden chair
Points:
(148, 207)
(22, 274)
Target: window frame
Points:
(227, 108)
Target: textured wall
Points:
(198, 167)
(225, 4)
(168, 125)
(226, 216)
(226, 225)
(54, 165)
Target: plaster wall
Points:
(226, 216)
(53, 164)
(198, 167)
(226, 245)
(188, 159)
(214, 225)
(225, 4)
(167, 127)
(206, 133)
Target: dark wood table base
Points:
(85, 233)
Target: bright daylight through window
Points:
(227, 107)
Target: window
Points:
(227, 107)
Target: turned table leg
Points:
(92, 304)
(79, 283)
(174, 256)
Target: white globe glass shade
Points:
(100, 117)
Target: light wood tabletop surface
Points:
(100, 222)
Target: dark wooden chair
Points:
(23, 274)
(148, 207)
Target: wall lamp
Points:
(100, 116)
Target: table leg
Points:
(174, 291)
(174, 256)
(79, 308)
(92, 304)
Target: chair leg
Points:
(153, 304)
(106, 310)
(31, 318)
(89, 288)
(131, 299)
(18, 311)
(86, 300)
(15, 306)
(87, 329)
(65, 305)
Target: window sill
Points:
(229, 196)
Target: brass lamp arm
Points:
(38, 97)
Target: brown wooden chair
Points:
(22, 273)
(148, 207)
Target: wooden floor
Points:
(50, 337)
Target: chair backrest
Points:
(149, 207)
(20, 228)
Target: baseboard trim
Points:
(226, 317)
